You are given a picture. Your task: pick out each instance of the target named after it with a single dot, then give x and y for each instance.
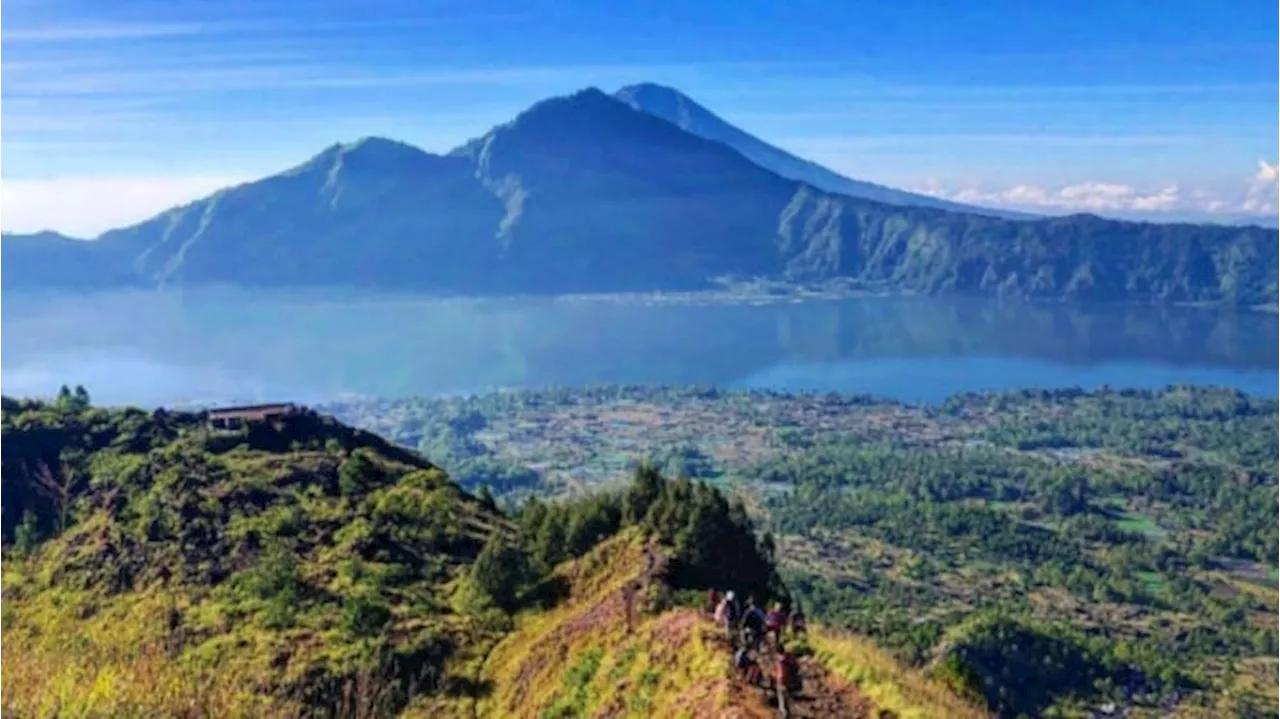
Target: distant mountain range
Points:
(586, 194)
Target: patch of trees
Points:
(1023, 667)
(713, 541)
(1023, 526)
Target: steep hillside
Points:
(681, 110)
(580, 659)
(374, 212)
(624, 199)
(155, 567)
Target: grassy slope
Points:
(209, 575)
(906, 692)
(215, 575)
(578, 660)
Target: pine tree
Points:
(501, 571)
(486, 498)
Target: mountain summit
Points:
(585, 193)
(682, 111)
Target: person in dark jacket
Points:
(747, 666)
(752, 625)
(797, 621)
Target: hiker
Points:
(786, 680)
(752, 625)
(797, 621)
(727, 616)
(713, 601)
(748, 667)
(774, 622)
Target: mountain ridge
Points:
(584, 193)
(158, 566)
(686, 113)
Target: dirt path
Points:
(822, 696)
(825, 695)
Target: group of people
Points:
(747, 628)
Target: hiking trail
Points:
(823, 694)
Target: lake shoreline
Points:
(729, 292)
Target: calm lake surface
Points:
(219, 345)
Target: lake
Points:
(154, 348)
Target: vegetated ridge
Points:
(155, 566)
(586, 194)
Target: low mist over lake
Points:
(222, 345)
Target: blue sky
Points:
(112, 111)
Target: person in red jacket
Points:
(774, 622)
(786, 680)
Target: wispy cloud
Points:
(258, 25)
(1267, 173)
(835, 144)
(112, 31)
(1263, 195)
(198, 79)
(1257, 197)
(851, 91)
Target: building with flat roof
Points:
(237, 417)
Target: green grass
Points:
(1152, 581)
(1140, 524)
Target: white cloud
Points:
(88, 206)
(1090, 196)
(1259, 197)
(1266, 172)
(129, 31)
(198, 79)
(1263, 196)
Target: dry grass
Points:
(116, 663)
(74, 654)
(578, 660)
(907, 693)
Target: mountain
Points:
(51, 260)
(586, 194)
(156, 566)
(374, 212)
(682, 111)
